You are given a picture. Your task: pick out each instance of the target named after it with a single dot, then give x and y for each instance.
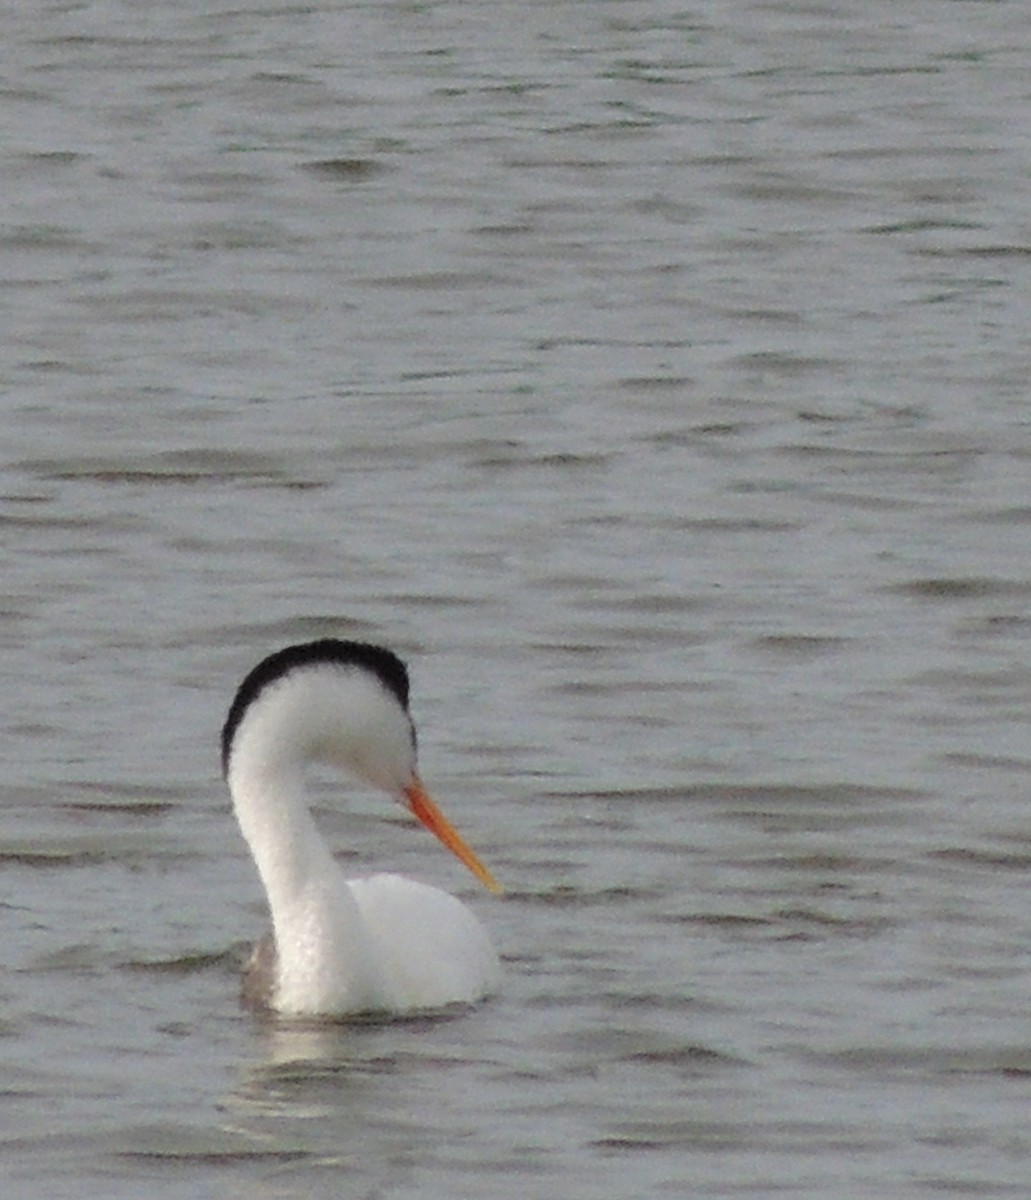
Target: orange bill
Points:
(435, 821)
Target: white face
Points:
(357, 725)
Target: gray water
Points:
(654, 377)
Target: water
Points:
(655, 379)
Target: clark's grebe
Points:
(379, 944)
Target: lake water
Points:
(654, 377)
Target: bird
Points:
(382, 944)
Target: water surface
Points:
(654, 378)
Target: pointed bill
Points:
(435, 821)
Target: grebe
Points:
(381, 944)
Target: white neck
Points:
(272, 809)
(324, 959)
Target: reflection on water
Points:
(655, 381)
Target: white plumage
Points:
(379, 944)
